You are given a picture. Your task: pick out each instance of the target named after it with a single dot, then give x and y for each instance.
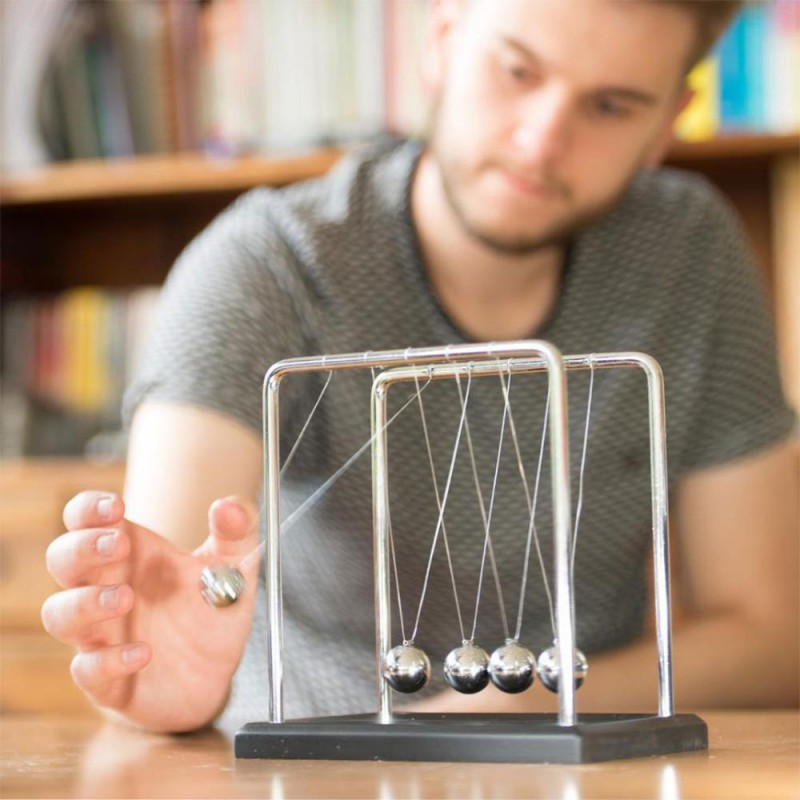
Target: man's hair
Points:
(711, 18)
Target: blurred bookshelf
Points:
(159, 176)
(734, 146)
(130, 125)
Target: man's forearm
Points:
(718, 661)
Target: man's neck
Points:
(489, 295)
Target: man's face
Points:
(546, 108)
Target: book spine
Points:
(756, 31)
(782, 111)
(733, 75)
(700, 119)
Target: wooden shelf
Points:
(191, 173)
(158, 176)
(734, 147)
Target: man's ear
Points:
(662, 143)
(441, 19)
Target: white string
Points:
(533, 535)
(532, 531)
(463, 425)
(298, 513)
(442, 505)
(487, 526)
(583, 468)
(305, 426)
(487, 543)
(578, 512)
(397, 584)
(289, 459)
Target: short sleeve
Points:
(231, 306)
(741, 407)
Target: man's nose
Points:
(543, 130)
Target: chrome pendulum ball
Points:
(221, 585)
(549, 668)
(406, 668)
(466, 668)
(512, 667)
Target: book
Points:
(71, 74)
(700, 119)
(782, 72)
(29, 31)
(138, 32)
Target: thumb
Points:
(232, 528)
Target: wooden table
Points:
(751, 755)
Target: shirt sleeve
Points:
(232, 305)
(741, 406)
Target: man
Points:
(532, 212)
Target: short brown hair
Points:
(711, 18)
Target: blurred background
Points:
(127, 125)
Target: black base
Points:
(497, 738)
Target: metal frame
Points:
(564, 591)
(385, 359)
(460, 359)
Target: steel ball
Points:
(466, 668)
(548, 668)
(221, 585)
(406, 668)
(512, 667)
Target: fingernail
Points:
(104, 506)
(106, 543)
(109, 598)
(133, 653)
(232, 505)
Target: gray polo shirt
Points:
(333, 266)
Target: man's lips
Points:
(530, 186)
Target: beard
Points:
(527, 239)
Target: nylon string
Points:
(487, 519)
(533, 534)
(442, 505)
(299, 512)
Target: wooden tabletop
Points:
(751, 755)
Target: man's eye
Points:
(605, 107)
(519, 73)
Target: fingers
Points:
(93, 510)
(74, 616)
(72, 556)
(233, 528)
(97, 672)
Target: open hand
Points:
(150, 649)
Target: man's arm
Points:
(182, 458)
(736, 642)
(738, 527)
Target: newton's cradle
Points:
(518, 737)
